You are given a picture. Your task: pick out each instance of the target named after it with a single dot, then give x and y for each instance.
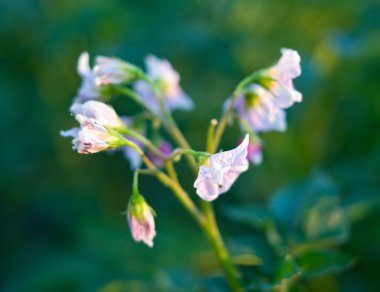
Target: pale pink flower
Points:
(162, 72)
(282, 75)
(104, 114)
(112, 71)
(91, 137)
(141, 223)
(258, 109)
(221, 170)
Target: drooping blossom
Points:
(141, 220)
(91, 137)
(281, 77)
(167, 79)
(166, 149)
(104, 114)
(221, 170)
(257, 108)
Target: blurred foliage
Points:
(60, 215)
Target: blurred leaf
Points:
(326, 221)
(288, 204)
(287, 272)
(320, 262)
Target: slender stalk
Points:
(145, 141)
(212, 231)
(171, 170)
(209, 227)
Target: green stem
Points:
(145, 141)
(209, 226)
(216, 241)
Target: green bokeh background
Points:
(60, 212)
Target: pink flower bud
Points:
(141, 220)
(221, 170)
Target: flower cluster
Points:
(261, 105)
(258, 104)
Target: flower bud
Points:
(140, 217)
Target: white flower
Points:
(141, 221)
(162, 72)
(112, 71)
(91, 137)
(104, 114)
(257, 108)
(221, 170)
(283, 73)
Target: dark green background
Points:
(60, 212)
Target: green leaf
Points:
(315, 263)
(326, 221)
(287, 272)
